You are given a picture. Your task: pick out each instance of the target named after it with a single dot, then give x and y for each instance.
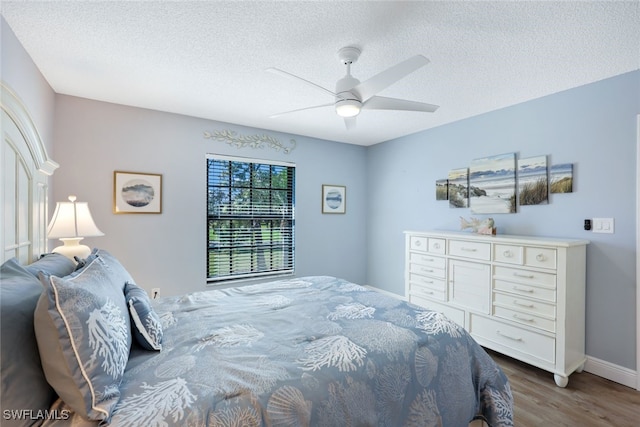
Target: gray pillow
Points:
(146, 324)
(52, 264)
(83, 331)
(24, 386)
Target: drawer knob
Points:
(541, 258)
(436, 245)
(418, 243)
(502, 334)
(507, 254)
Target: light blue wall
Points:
(21, 75)
(593, 127)
(93, 139)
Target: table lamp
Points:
(71, 222)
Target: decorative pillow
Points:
(24, 386)
(83, 331)
(52, 264)
(147, 328)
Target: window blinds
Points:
(250, 218)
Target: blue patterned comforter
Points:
(313, 351)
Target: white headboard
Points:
(26, 168)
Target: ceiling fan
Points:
(351, 96)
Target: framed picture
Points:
(334, 199)
(492, 184)
(458, 188)
(135, 192)
(562, 178)
(442, 189)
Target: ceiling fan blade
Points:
(375, 84)
(302, 109)
(350, 122)
(383, 103)
(293, 76)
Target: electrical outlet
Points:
(155, 293)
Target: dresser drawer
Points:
(540, 257)
(427, 260)
(423, 291)
(474, 250)
(437, 246)
(525, 305)
(545, 294)
(418, 243)
(528, 277)
(429, 282)
(509, 254)
(427, 270)
(525, 342)
(525, 318)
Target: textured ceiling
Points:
(207, 59)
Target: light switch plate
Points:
(603, 225)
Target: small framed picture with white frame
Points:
(334, 199)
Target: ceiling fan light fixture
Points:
(348, 107)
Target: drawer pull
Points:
(426, 259)
(519, 289)
(436, 245)
(468, 249)
(426, 270)
(507, 254)
(526, 319)
(541, 257)
(524, 276)
(522, 304)
(508, 336)
(427, 281)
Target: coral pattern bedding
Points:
(312, 351)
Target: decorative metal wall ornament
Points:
(252, 141)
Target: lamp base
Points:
(72, 248)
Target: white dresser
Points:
(518, 295)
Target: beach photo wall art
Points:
(459, 188)
(492, 184)
(499, 183)
(442, 189)
(561, 178)
(533, 185)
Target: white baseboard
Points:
(615, 373)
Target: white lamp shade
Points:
(72, 219)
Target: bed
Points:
(83, 345)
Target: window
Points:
(250, 218)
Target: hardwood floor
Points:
(588, 400)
